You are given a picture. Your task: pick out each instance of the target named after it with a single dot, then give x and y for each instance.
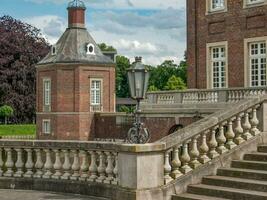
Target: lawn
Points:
(17, 130)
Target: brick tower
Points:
(74, 81)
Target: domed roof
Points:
(76, 4)
(72, 48)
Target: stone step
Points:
(256, 156)
(188, 196)
(248, 164)
(224, 192)
(243, 173)
(262, 148)
(238, 183)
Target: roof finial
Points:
(76, 4)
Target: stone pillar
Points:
(141, 166)
(262, 116)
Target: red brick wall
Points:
(70, 99)
(233, 26)
(108, 127)
(76, 16)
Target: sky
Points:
(153, 29)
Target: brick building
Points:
(226, 43)
(74, 81)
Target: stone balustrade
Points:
(207, 139)
(18, 137)
(56, 161)
(117, 170)
(203, 96)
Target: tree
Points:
(105, 47)
(122, 86)
(21, 47)
(152, 88)
(175, 83)
(6, 112)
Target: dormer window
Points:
(90, 49)
(53, 50)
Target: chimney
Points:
(76, 11)
(138, 59)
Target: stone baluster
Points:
(167, 168)
(48, 166)
(38, 164)
(194, 153)
(241, 95)
(101, 167)
(204, 149)
(93, 167)
(109, 168)
(9, 163)
(254, 122)
(115, 170)
(66, 165)
(75, 165)
(213, 144)
(1, 162)
(221, 140)
(19, 164)
(57, 165)
(176, 163)
(84, 166)
(185, 159)
(29, 164)
(246, 127)
(230, 135)
(239, 130)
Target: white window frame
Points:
(210, 9)
(88, 46)
(47, 92)
(210, 67)
(95, 106)
(53, 50)
(46, 129)
(248, 57)
(253, 3)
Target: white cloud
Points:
(50, 25)
(135, 46)
(156, 35)
(123, 4)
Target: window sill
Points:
(216, 11)
(247, 6)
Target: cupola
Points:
(76, 12)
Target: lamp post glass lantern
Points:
(138, 77)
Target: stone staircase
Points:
(245, 180)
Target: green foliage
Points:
(153, 88)
(105, 47)
(127, 109)
(10, 130)
(122, 87)
(175, 83)
(161, 74)
(6, 111)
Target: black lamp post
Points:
(138, 76)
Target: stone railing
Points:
(203, 141)
(120, 171)
(58, 160)
(203, 96)
(18, 137)
(101, 169)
